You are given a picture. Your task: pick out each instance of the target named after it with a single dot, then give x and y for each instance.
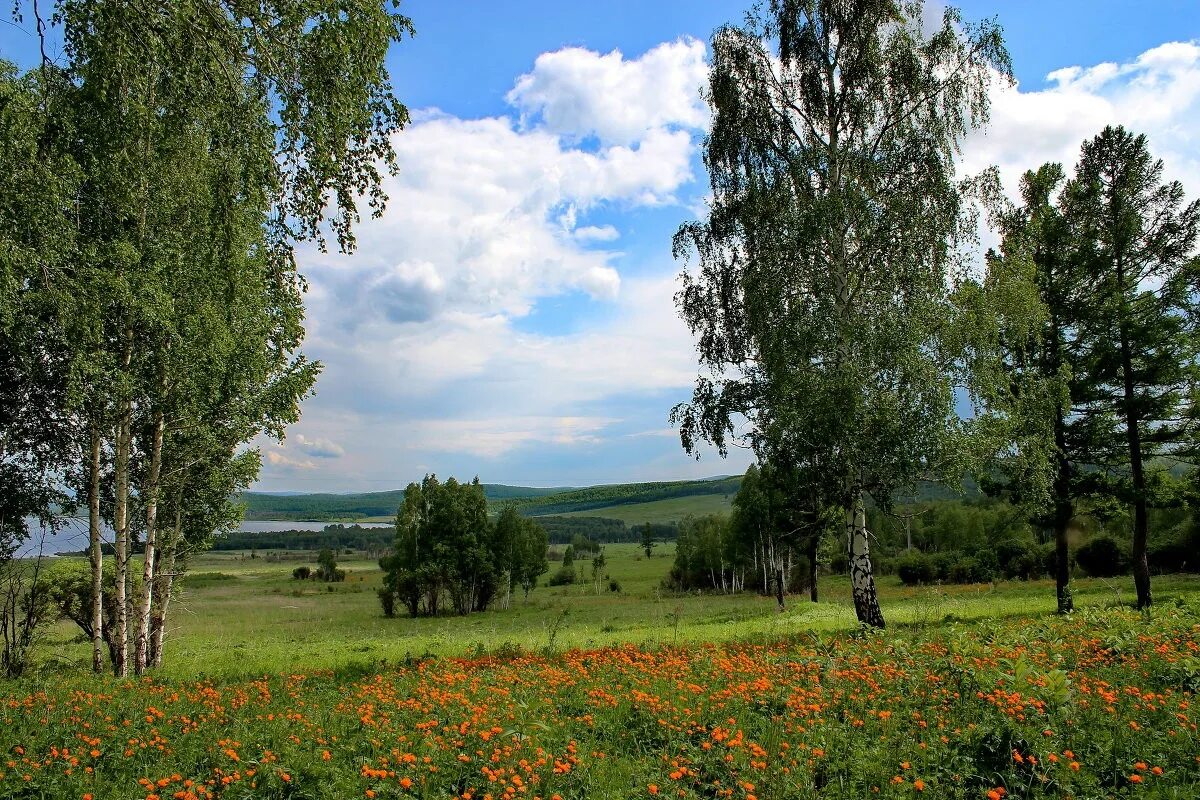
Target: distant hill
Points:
(336, 507)
(633, 503)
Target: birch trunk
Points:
(121, 521)
(97, 553)
(148, 565)
(164, 579)
(862, 581)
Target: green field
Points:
(671, 510)
(275, 688)
(241, 616)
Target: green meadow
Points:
(238, 615)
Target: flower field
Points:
(1100, 705)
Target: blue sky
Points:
(511, 315)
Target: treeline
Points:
(336, 537)
(978, 540)
(448, 553)
(563, 530)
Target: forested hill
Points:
(531, 501)
(534, 502)
(334, 507)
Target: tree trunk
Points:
(1064, 512)
(862, 581)
(150, 491)
(1133, 434)
(780, 583)
(97, 553)
(121, 520)
(164, 581)
(813, 543)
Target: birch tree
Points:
(207, 136)
(825, 264)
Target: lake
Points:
(74, 535)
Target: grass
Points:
(240, 616)
(672, 509)
(1096, 706)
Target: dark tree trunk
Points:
(813, 543)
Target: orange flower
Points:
(1135, 778)
(652, 788)
(919, 785)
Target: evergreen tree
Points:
(1136, 240)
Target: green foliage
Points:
(446, 549)
(820, 309)
(1102, 557)
(564, 576)
(327, 568)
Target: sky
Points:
(511, 315)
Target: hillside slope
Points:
(335, 507)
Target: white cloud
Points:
(597, 233)
(281, 463)
(319, 448)
(496, 436)
(1157, 93)
(429, 363)
(578, 93)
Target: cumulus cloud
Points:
(428, 362)
(1158, 94)
(578, 93)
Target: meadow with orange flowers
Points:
(977, 693)
(1099, 705)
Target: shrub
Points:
(942, 562)
(963, 570)
(1102, 557)
(387, 599)
(1048, 555)
(614, 586)
(563, 577)
(915, 568)
(302, 573)
(1181, 554)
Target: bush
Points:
(387, 599)
(614, 586)
(1179, 555)
(1048, 555)
(1102, 557)
(563, 577)
(942, 562)
(915, 568)
(964, 570)
(302, 573)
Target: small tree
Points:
(598, 564)
(648, 543)
(327, 568)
